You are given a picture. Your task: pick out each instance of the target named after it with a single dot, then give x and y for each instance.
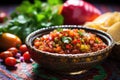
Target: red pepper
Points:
(78, 12)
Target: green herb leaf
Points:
(14, 29)
(21, 19)
(25, 7)
(54, 2)
(66, 39)
(37, 3)
(1, 30)
(57, 19)
(29, 17)
(40, 17)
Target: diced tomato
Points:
(57, 49)
(53, 35)
(69, 41)
(68, 46)
(37, 40)
(75, 51)
(71, 33)
(75, 41)
(95, 45)
(91, 42)
(37, 44)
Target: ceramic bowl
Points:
(68, 63)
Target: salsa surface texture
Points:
(69, 41)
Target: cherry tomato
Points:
(3, 15)
(14, 50)
(5, 54)
(26, 56)
(23, 48)
(10, 61)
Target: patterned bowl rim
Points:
(31, 35)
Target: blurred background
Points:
(113, 5)
(7, 2)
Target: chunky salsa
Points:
(69, 41)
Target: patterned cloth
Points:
(107, 70)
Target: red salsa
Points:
(69, 41)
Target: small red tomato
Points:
(10, 61)
(14, 50)
(26, 56)
(23, 48)
(2, 16)
(5, 54)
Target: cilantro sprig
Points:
(66, 39)
(29, 17)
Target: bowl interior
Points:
(107, 39)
